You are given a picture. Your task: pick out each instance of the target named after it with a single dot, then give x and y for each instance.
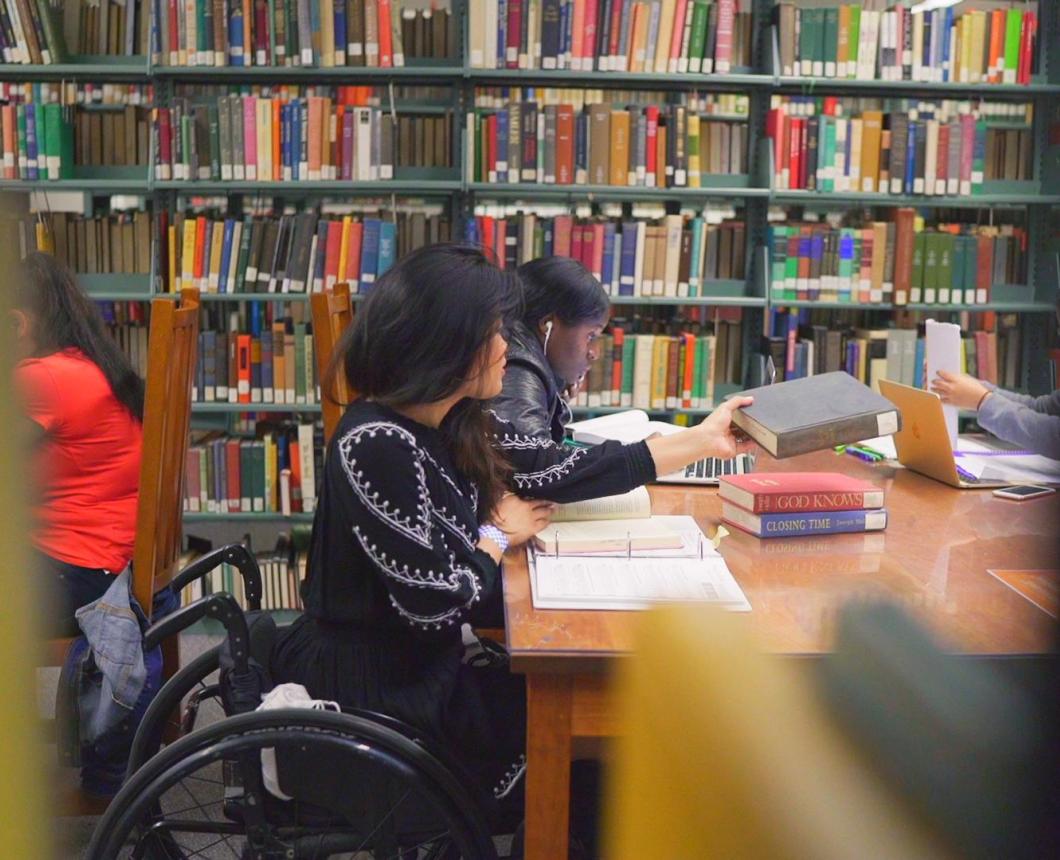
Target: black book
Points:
(549, 33)
(812, 128)
(815, 413)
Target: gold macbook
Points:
(923, 443)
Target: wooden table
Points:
(933, 558)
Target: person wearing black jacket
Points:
(552, 345)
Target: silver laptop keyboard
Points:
(709, 469)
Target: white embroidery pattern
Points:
(552, 473)
(509, 442)
(454, 526)
(452, 581)
(510, 779)
(418, 531)
(442, 472)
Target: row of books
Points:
(39, 31)
(895, 261)
(42, 138)
(672, 256)
(908, 43)
(273, 473)
(661, 36)
(292, 253)
(326, 33)
(78, 93)
(673, 366)
(800, 347)
(664, 146)
(801, 503)
(713, 105)
(281, 572)
(127, 324)
(119, 242)
(894, 152)
(269, 363)
(305, 139)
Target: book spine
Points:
(821, 523)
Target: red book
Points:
(577, 252)
(486, 232)
(296, 473)
(565, 145)
(331, 254)
(232, 475)
(386, 36)
(200, 249)
(618, 338)
(243, 367)
(781, 492)
(353, 255)
(1028, 31)
(165, 142)
(515, 34)
(615, 35)
(597, 267)
(491, 146)
(561, 238)
(984, 276)
(791, 128)
(652, 114)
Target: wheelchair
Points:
(357, 784)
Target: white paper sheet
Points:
(883, 444)
(942, 351)
(621, 584)
(994, 465)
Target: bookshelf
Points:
(752, 191)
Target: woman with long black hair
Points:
(85, 404)
(423, 490)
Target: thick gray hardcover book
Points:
(815, 413)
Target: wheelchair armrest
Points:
(234, 554)
(221, 606)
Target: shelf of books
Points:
(803, 182)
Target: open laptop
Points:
(923, 443)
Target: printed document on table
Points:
(617, 583)
(995, 465)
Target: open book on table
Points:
(612, 553)
(614, 525)
(632, 425)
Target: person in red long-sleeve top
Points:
(85, 404)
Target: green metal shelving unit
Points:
(1038, 197)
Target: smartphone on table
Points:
(1023, 492)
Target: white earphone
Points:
(548, 334)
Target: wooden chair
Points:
(172, 350)
(332, 312)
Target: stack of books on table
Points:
(788, 504)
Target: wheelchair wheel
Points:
(357, 787)
(174, 712)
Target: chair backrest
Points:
(171, 354)
(332, 313)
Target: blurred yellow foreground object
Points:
(725, 752)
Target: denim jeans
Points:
(68, 587)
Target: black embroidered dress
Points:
(394, 572)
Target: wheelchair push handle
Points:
(221, 606)
(235, 554)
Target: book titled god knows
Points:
(801, 503)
